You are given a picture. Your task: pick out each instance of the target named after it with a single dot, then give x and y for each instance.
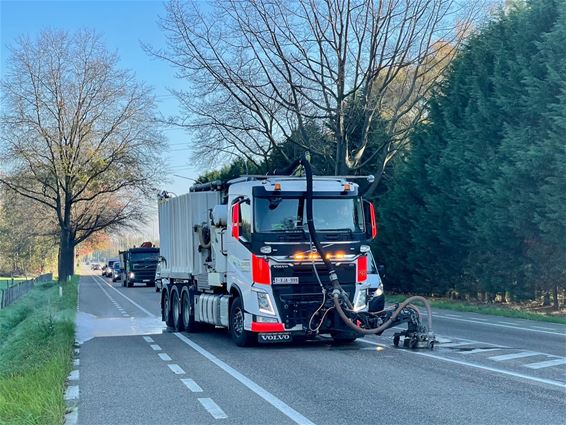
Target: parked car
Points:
(95, 266)
(376, 295)
(116, 271)
(103, 269)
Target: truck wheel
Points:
(166, 309)
(240, 336)
(188, 314)
(176, 312)
(130, 283)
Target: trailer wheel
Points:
(166, 309)
(188, 313)
(176, 312)
(240, 336)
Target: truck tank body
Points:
(179, 243)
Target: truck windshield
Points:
(289, 214)
(144, 256)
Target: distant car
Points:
(95, 266)
(158, 284)
(116, 272)
(103, 269)
(110, 267)
(375, 292)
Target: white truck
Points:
(238, 255)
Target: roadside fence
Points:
(11, 289)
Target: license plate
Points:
(275, 337)
(285, 280)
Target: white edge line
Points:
(260, 391)
(149, 313)
(503, 326)
(71, 393)
(477, 366)
(212, 408)
(72, 417)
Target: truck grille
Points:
(296, 303)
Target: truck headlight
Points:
(379, 291)
(132, 275)
(263, 319)
(264, 303)
(360, 300)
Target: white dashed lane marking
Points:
(480, 350)
(148, 339)
(453, 344)
(513, 356)
(155, 347)
(164, 357)
(475, 365)
(192, 385)
(247, 382)
(548, 363)
(213, 408)
(178, 370)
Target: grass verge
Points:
(36, 343)
(511, 311)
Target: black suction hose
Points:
(337, 291)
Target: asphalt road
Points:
(485, 370)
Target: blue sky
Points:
(122, 25)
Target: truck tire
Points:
(240, 336)
(166, 310)
(130, 283)
(176, 312)
(188, 313)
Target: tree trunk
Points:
(546, 299)
(66, 256)
(340, 165)
(555, 304)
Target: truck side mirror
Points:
(236, 220)
(370, 221)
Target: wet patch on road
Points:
(90, 326)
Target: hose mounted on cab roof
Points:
(363, 322)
